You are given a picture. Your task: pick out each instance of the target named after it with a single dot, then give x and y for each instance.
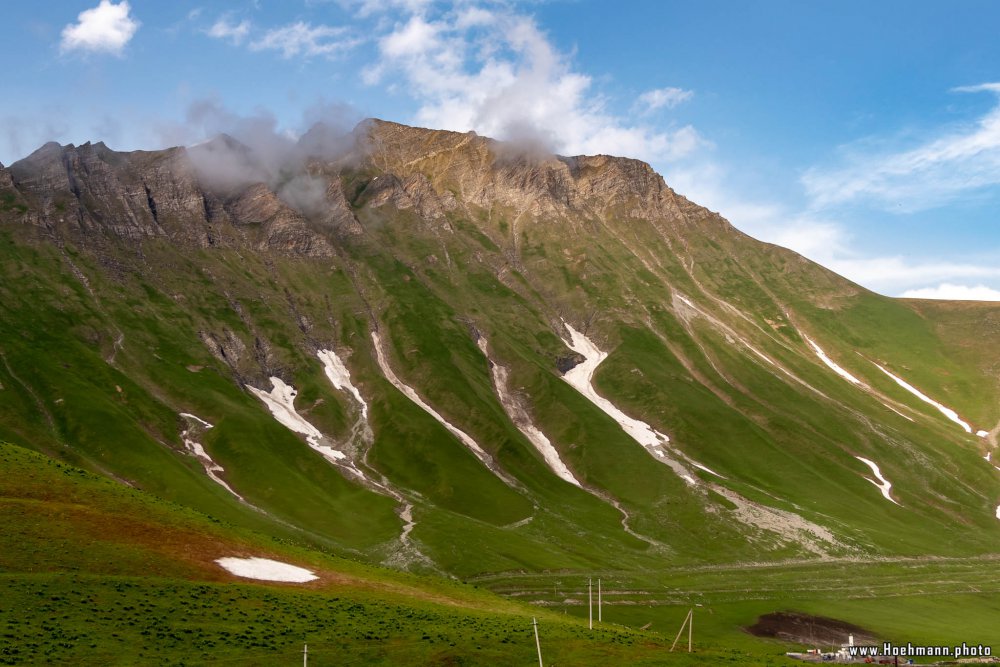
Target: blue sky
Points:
(864, 135)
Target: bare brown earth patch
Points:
(806, 629)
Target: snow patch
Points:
(212, 469)
(265, 569)
(411, 394)
(946, 411)
(522, 420)
(998, 511)
(706, 469)
(281, 402)
(340, 377)
(884, 485)
(188, 415)
(786, 524)
(833, 365)
(839, 370)
(581, 376)
(983, 434)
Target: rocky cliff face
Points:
(91, 189)
(6, 180)
(220, 194)
(487, 173)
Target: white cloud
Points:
(417, 37)
(494, 71)
(954, 292)
(955, 163)
(224, 29)
(821, 237)
(366, 8)
(661, 98)
(305, 39)
(107, 27)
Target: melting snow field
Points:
(464, 437)
(340, 377)
(787, 524)
(946, 411)
(266, 569)
(281, 403)
(581, 376)
(522, 420)
(831, 364)
(839, 370)
(883, 484)
(198, 451)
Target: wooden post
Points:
(688, 621)
(600, 616)
(538, 644)
(590, 602)
(305, 655)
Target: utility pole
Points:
(305, 655)
(600, 617)
(590, 602)
(538, 644)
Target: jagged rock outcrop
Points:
(221, 194)
(339, 214)
(6, 180)
(414, 192)
(281, 227)
(146, 194)
(487, 174)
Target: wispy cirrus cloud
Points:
(226, 29)
(957, 162)
(107, 28)
(304, 39)
(823, 238)
(663, 98)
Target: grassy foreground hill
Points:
(94, 573)
(372, 355)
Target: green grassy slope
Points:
(78, 551)
(104, 341)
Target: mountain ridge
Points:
(726, 347)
